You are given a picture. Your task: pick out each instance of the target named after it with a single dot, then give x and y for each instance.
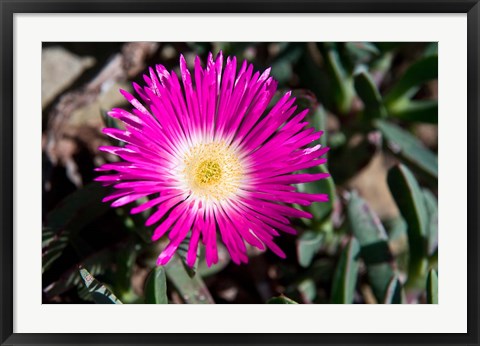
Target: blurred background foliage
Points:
(374, 242)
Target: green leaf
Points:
(411, 202)
(282, 71)
(396, 227)
(84, 293)
(321, 270)
(308, 245)
(156, 287)
(98, 263)
(68, 218)
(394, 292)
(370, 96)
(321, 211)
(283, 62)
(336, 140)
(136, 223)
(125, 261)
(397, 237)
(342, 83)
(78, 209)
(431, 206)
(308, 290)
(418, 73)
(425, 111)
(223, 261)
(52, 246)
(409, 148)
(352, 157)
(345, 278)
(317, 115)
(281, 300)
(381, 65)
(361, 51)
(98, 291)
(316, 79)
(290, 52)
(319, 122)
(431, 49)
(432, 287)
(371, 235)
(192, 289)
(182, 251)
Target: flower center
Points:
(208, 173)
(212, 171)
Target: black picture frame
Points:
(10, 7)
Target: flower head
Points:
(211, 159)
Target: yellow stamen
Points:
(212, 170)
(208, 173)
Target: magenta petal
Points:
(125, 200)
(192, 249)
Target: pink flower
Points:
(212, 160)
